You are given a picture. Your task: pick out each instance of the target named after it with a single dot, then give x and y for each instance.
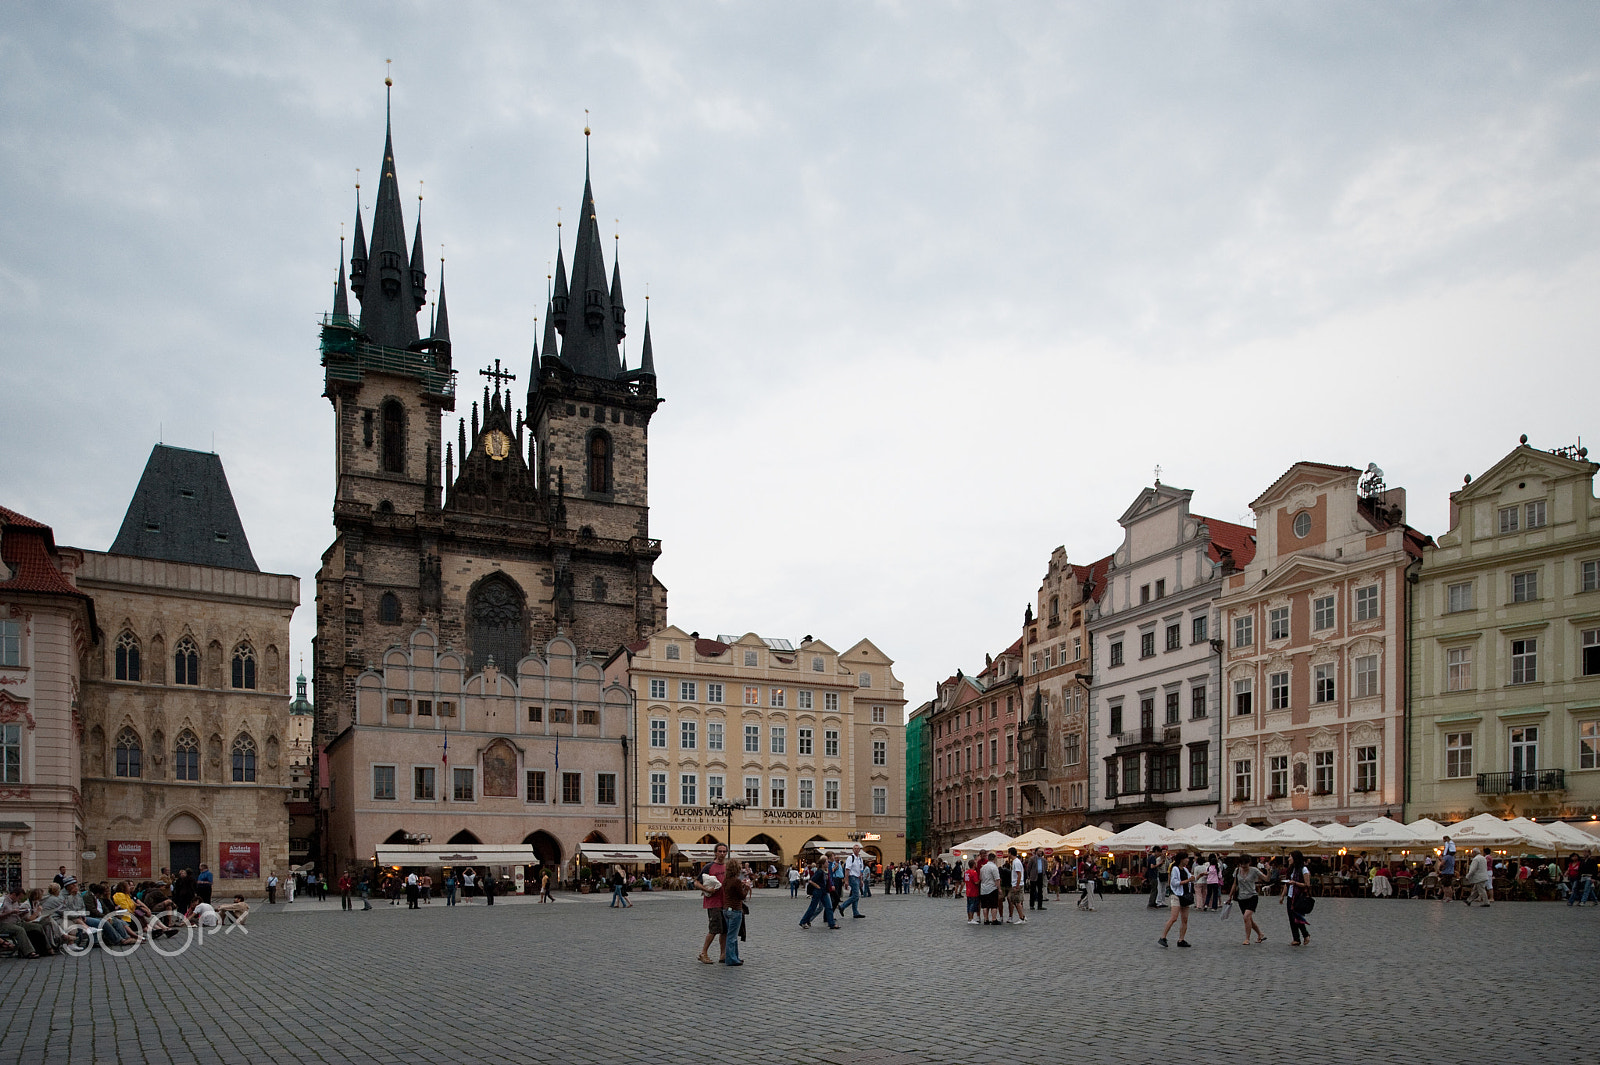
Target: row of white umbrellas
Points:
(1380, 834)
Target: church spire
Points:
(419, 271)
(647, 360)
(441, 320)
(558, 298)
(358, 256)
(618, 312)
(341, 302)
(389, 307)
(590, 337)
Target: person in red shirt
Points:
(971, 878)
(711, 901)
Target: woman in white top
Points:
(1180, 899)
(1299, 890)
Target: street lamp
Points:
(727, 806)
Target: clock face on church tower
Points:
(496, 445)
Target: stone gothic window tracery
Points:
(130, 754)
(244, 759)
(494, 623)
(186, 756)
(128, 665)
(244, 666)
(186, 663)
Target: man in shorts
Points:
(1014, 889)
(711, 902)
(989, 890)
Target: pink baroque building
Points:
(1315, 662)
(47, 627)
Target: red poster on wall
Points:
(239, 861)
(128, 859)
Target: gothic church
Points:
(532, 523)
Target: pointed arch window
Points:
(128, 657)
(394, 437)
(494, 623)
(130, 754)
(244, 759)
(186, 662)
(599, 461)
(244, 666)
(186, 756)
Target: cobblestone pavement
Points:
(576, 981)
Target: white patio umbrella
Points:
(1197, 837)
(1140, 837)
(1571, 837)
(1291, 834)
(1535, 833)
(1036, 838)
(1381, 833)
(1426, 828)
(989, 841)
(1239, 837)
(1485, 830)
(1083, 838)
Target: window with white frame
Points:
(752, 695)
(1589, 745)
(1591, 575)
(880, 751)
(462, 785)
(658, 732)
(1071, 748)
(688, 789)
(778, 735)
(1278, 623)
(879, 715)
(1199, 628)
(714, 787)
(1533, 515)
(776, 697)
(422, 783)
(808, 793)
(1243, 778)
(1278, 776)
(1367, 768)
(11, 644)
(1077, 648)
(752, 739)
(687, 691)
(1322, 612)
(803, 741)
(830, 794)
(658, 688)
(688, 735)
(880, 801)
(1243, 690)
(780, 793)
(658, 789)
(1525, 586)
(1033, 662)
(1116, 653)
(1322, 772)
(1525, 660)
(535, 786)
(1244, 631)
(714, 735)
(713, 692)
(1591, 652)
(10, 754)
(383, 782)
(572, 789)
(1323, 686)
(1278, 690)
(1366, 676)
(805, 699)
(1508, 519)
(1459, 597)
(1458, 669)
(752, 792)
(1458, 754)
(1367, 603)
(830, 743)
(1197, 702)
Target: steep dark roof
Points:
(1095, 572)
(183, 511)
(390, 320)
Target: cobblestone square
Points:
(1401, 981)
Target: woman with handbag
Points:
(1298, 899)
(1180, 900)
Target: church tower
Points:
(531, 522)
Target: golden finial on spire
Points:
(419, 191)
(558, 218)
(358, 179)
(585, 121)
(388, 82)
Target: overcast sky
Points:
(934, 287)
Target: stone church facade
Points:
(530, 527)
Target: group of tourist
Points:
(39, 923)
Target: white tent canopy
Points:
(1486, 830)
(1083, 838)
(1196, 837)
(1140, 837)
(1291, 833)
(1426, 828)
(1379, 832)
(989, 841)
(834, 846)
(458, 857)
(1570, 837)
(1238, 837)
(1535, 833)
(1036, 839)
(705, 852)
(618, 853)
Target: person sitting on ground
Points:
(237, 909)
(134, 913)
(204, 915)
(14, 910)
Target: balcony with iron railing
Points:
(1513, 782)
(347, 354)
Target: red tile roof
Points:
(1096, 572)
(29, 549)
(1230, 542)
(709, 648)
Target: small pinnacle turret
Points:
(341, 302)
(441, 320)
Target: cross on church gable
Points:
(498, 375)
